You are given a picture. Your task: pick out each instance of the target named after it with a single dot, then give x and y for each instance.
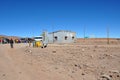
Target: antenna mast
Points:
(108, 41)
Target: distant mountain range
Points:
(9, 37)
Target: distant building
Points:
(60, 36)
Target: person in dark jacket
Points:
(11, 42)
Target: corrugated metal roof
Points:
(61, 31)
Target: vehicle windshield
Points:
(37, 37)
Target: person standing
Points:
(29, 43)
(11, 43)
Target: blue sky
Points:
(28, 18)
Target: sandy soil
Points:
(60, 62)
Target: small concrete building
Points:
(60, 36)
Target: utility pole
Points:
(84, 32)
(108, 41)
(53, 33)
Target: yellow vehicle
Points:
(38, 42)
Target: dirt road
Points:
(60, 62)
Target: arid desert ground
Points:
(83, 60)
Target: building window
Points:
(66, 37)
(73, 37)
(56, 37)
